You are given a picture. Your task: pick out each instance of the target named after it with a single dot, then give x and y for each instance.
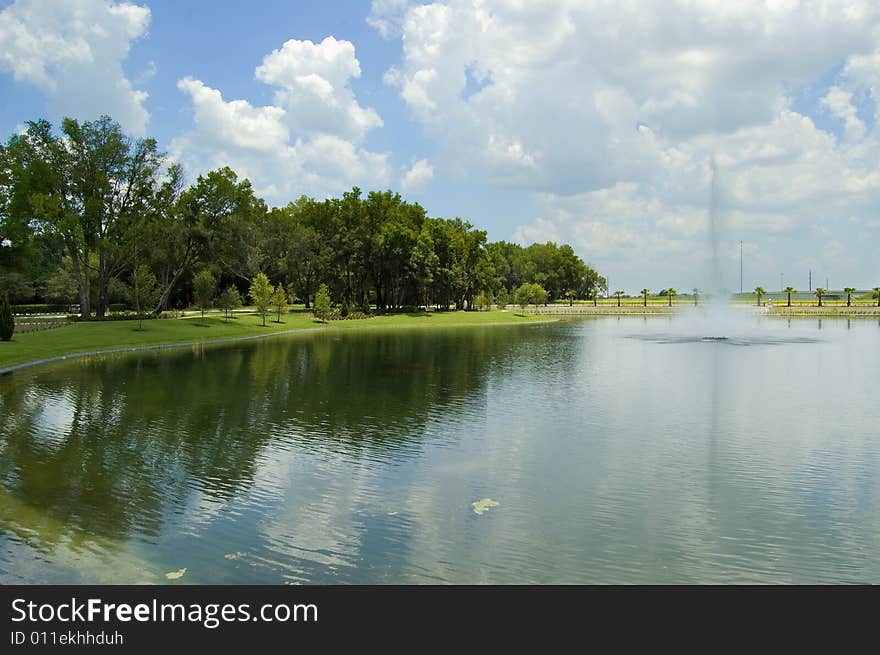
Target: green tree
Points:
(849, 291)
(619, 294)
(669, 295)
(819, 293)
(205, 288)
(502, 298)
(144, 291)
(229, 301)
(523, 296)
(759, 291)
(7, 320)
(261, 295)
(645, 293)
(789, 291)
(279, 301)
(877, 293)
(322, 309)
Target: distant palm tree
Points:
(645, 293)
(671, 292)
(696, 295)
(595, 297)
(759, 291)
(619, 294)
(819, 293)
(849, 291)
(789, 291)
(877, 291)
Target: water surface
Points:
(618, 450)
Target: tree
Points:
(502, 298)
(261, 295)
(696, 293)
(143, 291)
(321, 308)
(819, 293)
(645, 293)
(228, 301)
(7, 320)
(204, 287)
(523, 296)
(669, 294)
(619, 294)
(877, 293)
(481, 301)
(595, 296)
(279, 301)
(849, 291)
(789, 291)
(759, 291)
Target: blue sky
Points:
(582, 122)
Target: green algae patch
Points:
(176, 575)
(482, 506)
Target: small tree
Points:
(849, 291)
(669, 294)
(523, 296)
(595, 297)
(321, 307)
(570, 294)
(144, 291)
(619, 294)
(645, 293)
(502, 297)
(7, 320)
(205, 287)
(819, 293)
(261, 295)
(228, 301)
(279, 301)
(696, 296)
(539, 295)
(789, 291)
(876, 291)
(759, 291)
(481, 301)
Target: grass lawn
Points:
(106, 335)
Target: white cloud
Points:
(285, 149)
(611, 112)
(386, 16)
(417, 177)
(313, 82)
(73, 52)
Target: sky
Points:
(589, 123)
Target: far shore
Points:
(93, 338)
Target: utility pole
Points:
(740, 267)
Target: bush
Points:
(117, 307)
(26, 310)
(7, 320)
(171, 313)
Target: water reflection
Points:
(615, 457)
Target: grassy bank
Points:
(97, 336)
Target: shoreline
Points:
(7, 370)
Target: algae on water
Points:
(481, 506)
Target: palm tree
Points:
(595, 297)
(819, 293)
(645, 293)
(789, 291)
(849, 291)
(759, 291)
(696, 295)
(619, 294)
(877, 291)
(671, 292)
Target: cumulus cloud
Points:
(297, 146)
(313, 85)
(73, 52)
(386, 16)
(417, 177)
(611, 112)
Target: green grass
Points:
(106, 335)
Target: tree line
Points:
(92, 217)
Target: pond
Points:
(608, 450)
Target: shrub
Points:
(171, 313)
(7, 320)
